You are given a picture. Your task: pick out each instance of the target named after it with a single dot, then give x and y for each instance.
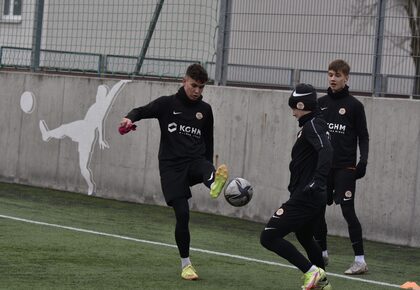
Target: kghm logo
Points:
(337, 128)
(172, 127)
(190, 131)
(184, 130)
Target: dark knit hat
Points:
(303, 98)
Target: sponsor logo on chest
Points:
(184, 130)
(336, 128)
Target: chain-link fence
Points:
(269, 43)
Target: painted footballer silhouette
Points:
(85, 132)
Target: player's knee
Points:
(320, 233)
(182, 212)
(349, 215)
(183, 217)
(347, 210)
(266, 238)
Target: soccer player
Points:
(346, 120)
(185, 152)
(309, 167)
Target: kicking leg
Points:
(203, 171)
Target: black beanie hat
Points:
(303, 98)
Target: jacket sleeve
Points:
(209, 136)
(151, 110)
(317, 136)
(362, 133)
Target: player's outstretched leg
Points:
(189, 273)
(219, 181)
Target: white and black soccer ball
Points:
(238, 192)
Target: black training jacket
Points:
(311, 156)
(186, 127)
(346, 120)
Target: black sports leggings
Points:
(182, 232)
(354, 226)
(273, 240)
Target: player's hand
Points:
(361, 169)
(314, 187)
(125, 123)
(330, 199)
(126, 126)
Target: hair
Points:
(339, 65)
(197, 72)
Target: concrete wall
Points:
(254, 133)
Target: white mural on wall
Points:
(27, 102)
(84, 132)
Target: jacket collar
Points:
(182, 95)
(340, 94)
(305, 118)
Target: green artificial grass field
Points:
(61, 240)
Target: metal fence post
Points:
(377, 57)
(103, 64)
(37, 33)
(223, 37)
(295, 78)
(149, 35)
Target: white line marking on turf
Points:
(192, 249)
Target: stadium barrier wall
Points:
(254, 134)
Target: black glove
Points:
(330, 198)
(360, 169)
(314, 186)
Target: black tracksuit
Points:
(186, 141)
(311, 161)
(311, 158)
(185, 152)
(346, 120)
(186, 127)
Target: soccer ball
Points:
(238, 192)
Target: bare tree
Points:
(412, 10)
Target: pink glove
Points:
(124, 130)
